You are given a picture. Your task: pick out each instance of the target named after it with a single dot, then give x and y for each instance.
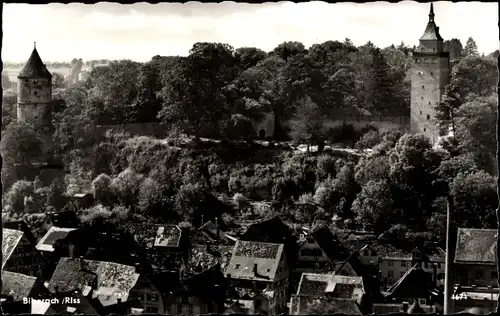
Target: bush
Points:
(17, 193)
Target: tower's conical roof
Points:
(35, 68)
(431, 31)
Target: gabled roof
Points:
(22, 226)
(328, 242)
(210, 232)
(431, 31)
(54, 234)
(272, 230)
(313, 284)
(199, 260)
(248, 254)
(113, 280)
(415, 283)
(35, 68)
(17, 285)
(10, 239)
(65, 219)
(355, 264)
(476, 246)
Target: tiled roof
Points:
(17, 285)
(431, 32)
(168, 236)
(162, 261)
(10, 239)
(476, 246)
(35, 68)
(54, 234)
(272, 230)
(313, 284)
(199, 260)
(66, 219)
(113, 280)
(151, 235)
(338, 286)
(247, 254)
(302, 305)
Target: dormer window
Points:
(237, 266)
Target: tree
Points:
(190, 200)
(126, 187)
(248, 57)
(6, 84)
(372, 168)
(475, 199)
(374, 205)
(16, 195)
(286, 50)
(101, 189)
(152, 199)
(454, 47)
(58, 81)
(470, 48)
(308, 125)
(192, 98)
(476, 121)
(21, 144)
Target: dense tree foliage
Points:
(222, 93)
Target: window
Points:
(151, 310)
(417, 61)
(403, 264)
(35, 93)
(390, 263)
(494, 274)
(423, 87)
(422, 301)
(422, 97)
(420, 112)
(390, 274)
(429, 102)
(426, 265)
(439, 265)
(426, 61)
(153, 297)
(428, 117)
(432, 73)
(258, 304)
(479, 274)
(425, 129)
(237, 266)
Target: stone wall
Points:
(153, 129)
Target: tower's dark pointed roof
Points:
(35, 68)
(431, 31)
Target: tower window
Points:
(428, 117)
(425, 130)
(432, 73)
(423, 87)
(434, 49)
(429, 102)
(420, 112)
(426, 61)
(35, 93)
(422, 97)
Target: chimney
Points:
(405, 307)
(81, 263)
(255, 269)
(71, 250)
(217, 229)
(20, 226)
(357, 243)
(451, 236)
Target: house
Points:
(320, 248)
(166, 236)
(82, 200)
(247, 301)
(22, 226)
(20, 255)
(475, 257)
(100, 243)
(110, 282)
(261, 267)
(46, 244)
(203, 293)
(151, 290)
(20, 286)
(416, 285)
(393, 263)
(210, 232)
(339, 294)
(65, 219)
(468, 297)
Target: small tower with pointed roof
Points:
(34, 92)
(430, 73)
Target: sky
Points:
(140, 31)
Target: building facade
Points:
(34, 93)
(429, 75)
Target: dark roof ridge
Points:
(34, 68)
